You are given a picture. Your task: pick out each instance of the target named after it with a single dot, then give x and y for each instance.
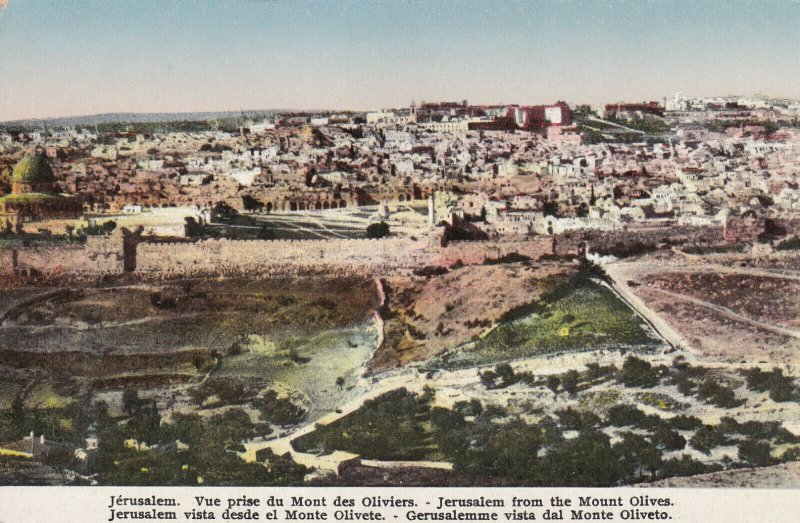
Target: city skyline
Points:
(78, 58)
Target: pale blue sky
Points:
(70, 57)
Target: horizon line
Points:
(349, 110)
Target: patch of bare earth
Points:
(768, 298)
(719, 338)
(425, 316)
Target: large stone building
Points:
(33, 196)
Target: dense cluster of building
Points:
(506, 170)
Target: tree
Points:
(572, 419)
(506, 373)
(131, 401)
(638, 373)
(570, 381)
(626, 415)
(225, 211)
(756, 453)
(585, 461)
(109, 226)
(340, 382)
(717, 394)
(251, 204)
(553, 383)
(192, 228)
(488, 379)
(638, 454)
(668, 439)
(706, 438)
(378, 230)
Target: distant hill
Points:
(135, 118)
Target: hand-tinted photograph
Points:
(400, 243)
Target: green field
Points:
(581, 314)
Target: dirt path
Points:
(717, 268)
(102, 325)
(728, 313)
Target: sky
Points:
(76, 57)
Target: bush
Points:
(708, 437)
(377, 230)
(625, 415)
(501, 377)
(637, 455)
(468, 408)
(781, 388)
(586, 461)
(685, 466)
(570, 381)
(684, 422)
(668, 439)
(431, 270)
(594, 371)
(553, 382)
(756, 453)
(572, 419)
(279, 411)
(638, 373)
(717, 394)
(761, 430)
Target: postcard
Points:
(365, 260)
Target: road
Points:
(620, 278)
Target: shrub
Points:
(668, 439)
(570, 381)
(756, 453)
(377, 230)
(625, 415)
(572, 419)
(706, 438)
(717, 394)
(685, 466)
(553, 382)
(431, 270)
(781, 388)
(638, 373)
(684, 422)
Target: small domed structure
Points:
(32, 174)
(33, 196)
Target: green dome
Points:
(33, 169)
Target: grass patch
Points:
(660, 401)
(577, 315)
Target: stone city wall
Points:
(99, 255)
(270, 256)
(263, 257)
(475, 253)
(634, 240)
